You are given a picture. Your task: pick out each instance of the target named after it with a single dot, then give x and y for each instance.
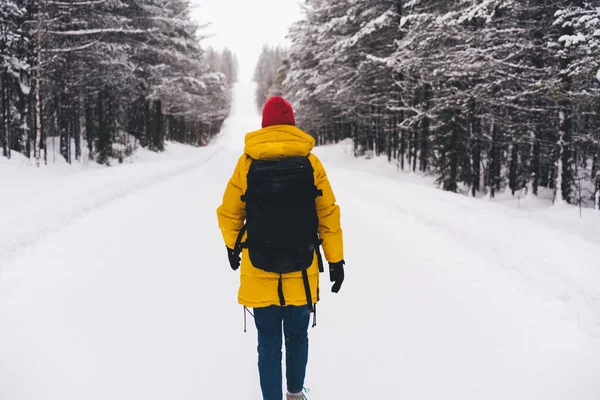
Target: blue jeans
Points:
(269, 321)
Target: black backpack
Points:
(281, 217)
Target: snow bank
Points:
(551, 248)
(41, 200)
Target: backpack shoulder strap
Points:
(243, 197)
(238, 243)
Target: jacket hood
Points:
(278, 141)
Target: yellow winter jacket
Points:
(258, 288)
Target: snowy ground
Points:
(114, 284)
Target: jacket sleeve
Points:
(330, 229)
(232, 212)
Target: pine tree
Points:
(468, 90)
(269, 74)
(105, 73)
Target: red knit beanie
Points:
(277, 111)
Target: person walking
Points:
(278, 209)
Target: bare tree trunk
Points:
(3, 83)
(76, 125)
(558, 192)
(69, 126)
(38, 111)
(3, 115)
(6, 122)
(597, 192)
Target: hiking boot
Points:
(295, 396)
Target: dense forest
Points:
(100, 78)
(487, 95)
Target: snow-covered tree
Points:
(269, 74)
(577, 86)
(112, 72)
(15, 76)
(338, 75)
(469, 90)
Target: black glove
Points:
(336, 274)
(234, 259)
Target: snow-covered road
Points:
(115, 285)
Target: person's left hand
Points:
(336, 274)
(234, 259)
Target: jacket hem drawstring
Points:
(246, 310)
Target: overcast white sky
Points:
(244, 26)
